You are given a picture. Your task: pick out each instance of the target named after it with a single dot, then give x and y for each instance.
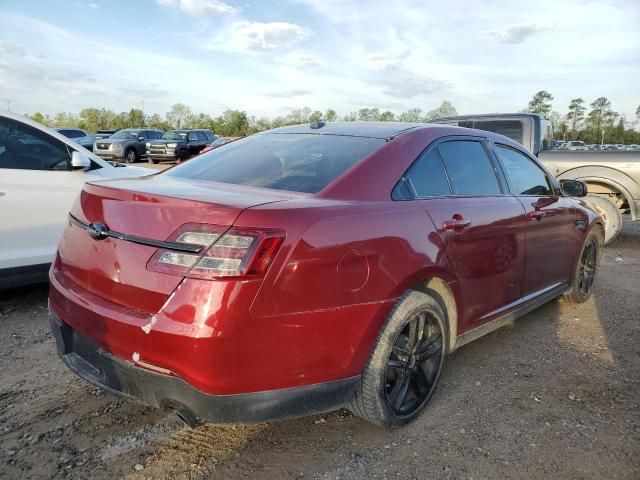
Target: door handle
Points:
(456, 224)
(536, 215)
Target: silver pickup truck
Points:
(612, 177)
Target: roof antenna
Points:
(318, 124)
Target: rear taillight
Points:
(233, 252)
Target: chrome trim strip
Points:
(176, 246)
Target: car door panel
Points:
(34, 210)
(550, 221)
(550, 249)
(487, 255)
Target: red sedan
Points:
(312, 267)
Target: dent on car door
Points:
(482, 230)
(38, 190)
(551, 219)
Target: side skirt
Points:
(528, 304)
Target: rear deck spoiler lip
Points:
(175, 246)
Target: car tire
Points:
(609, 213)
(131, 156)
(586, 271)
(153, 161)
(182, 156)
(395, 385)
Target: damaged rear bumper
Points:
(169, 392)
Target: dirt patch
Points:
(554, 396)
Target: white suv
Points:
(576, 145)
(41, 174)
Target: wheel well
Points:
(438, 289)
(611, 193)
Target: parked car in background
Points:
(421, 238)
(633, 147)
(41, 175)
(612, 176)
(576, 145)
(178, 145)
(104, 134)
(595, 146)
(127, 145)
(81, 137)
(218, 142)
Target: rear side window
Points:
(525, 177)
(427, 177)
(295, 162)
(468, 167)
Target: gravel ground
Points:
(556, 395)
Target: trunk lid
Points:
(152, 208)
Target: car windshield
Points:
(295, 162)
(125, 134)
(174, 135)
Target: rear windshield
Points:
(512, 129)
(295, 162)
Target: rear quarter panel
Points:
(340, 271)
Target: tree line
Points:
(591, 123)
(595, 122)
(229, 123)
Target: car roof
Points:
(352, 129)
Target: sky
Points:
(269, 57)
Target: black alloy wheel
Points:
(414, 364)
(588, 266)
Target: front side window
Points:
(295, 162)
(427, 177)
(525, 177)
(27, 148)
(468, 167)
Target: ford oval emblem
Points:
(97, 231)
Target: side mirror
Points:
(573, 188)
(80, 161)
(141, 139)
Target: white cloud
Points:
(243, 36)
(405, 84)
(288, 93)
(94, 5)
(199, 8)
(301, 59)
(10, 48)
(517, 33)
(381, 63)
